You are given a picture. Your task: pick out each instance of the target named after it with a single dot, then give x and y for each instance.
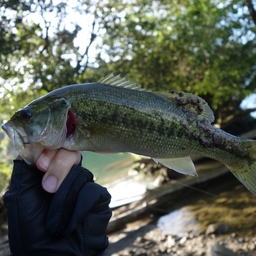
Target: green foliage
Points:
(6, 156)
(197, 46)
(201, 46)
(5, 174)
(37, 51)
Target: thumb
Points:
(56, 164)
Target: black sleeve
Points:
(72, 221)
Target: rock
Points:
(220, 250)
(217, 228)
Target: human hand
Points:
(72, 221)
(56, 164)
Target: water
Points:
(108, 167)
(111, 171)
(235, 207)
(179, 222)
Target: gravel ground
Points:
(229, 220)
(150, 240)
(4, 246)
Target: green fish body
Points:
(113, 115)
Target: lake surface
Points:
(112, 171)
(235, 207)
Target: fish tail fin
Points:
(245, 169)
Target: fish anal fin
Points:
(182, 165)
(189, 103)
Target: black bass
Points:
(113, 115)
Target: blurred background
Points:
(206, 47)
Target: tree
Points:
(251, 10)
(38, 48)
(203, 47)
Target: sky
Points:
(250, 102)
(73, 17)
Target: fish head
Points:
(41, 124)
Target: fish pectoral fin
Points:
(182, 165)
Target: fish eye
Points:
(26, 114)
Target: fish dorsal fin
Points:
(182, 165)
(119, 81)
(190, 104)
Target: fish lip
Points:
(28, 151)
(12, 133)
(8, 128)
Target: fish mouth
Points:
(27, 150)
(8, 130)
(19, 138)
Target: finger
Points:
(19, 158)
(59, 168)
(45, 159)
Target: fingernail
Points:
(50, 184)
(43, 163)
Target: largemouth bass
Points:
(113, 115)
